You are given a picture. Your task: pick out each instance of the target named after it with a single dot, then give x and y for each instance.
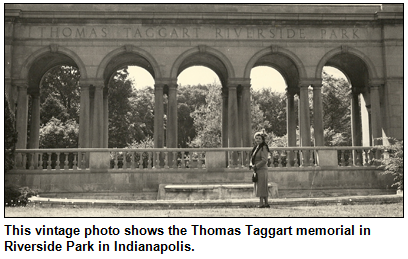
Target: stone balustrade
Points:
(104, 159)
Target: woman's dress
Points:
(261, 159)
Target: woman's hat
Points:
(260, 133)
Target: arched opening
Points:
(130, 101)
(353, 85)
(336, 98)
(199, 106)
(209, 75)
(274, 108)
(53, 102)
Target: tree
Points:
(120, 90)
(58, 134)
(336, 111)
(10, 135)
(62, 83)
(273, 105)
(207, 119)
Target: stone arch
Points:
(275, 49)
(205, 50)
(53, 48)
(154, 68)
(291, 77)
(372, 73)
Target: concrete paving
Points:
(237, 203)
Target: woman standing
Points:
(259, 159)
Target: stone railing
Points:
(189, 158)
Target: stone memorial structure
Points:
(363, 41)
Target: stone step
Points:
(211, 191)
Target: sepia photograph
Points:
(206, 110)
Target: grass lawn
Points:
(370, 210)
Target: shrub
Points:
(17, 196)
(393, 161)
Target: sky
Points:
(261, 77)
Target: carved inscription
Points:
(196, 32)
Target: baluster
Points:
(296, 164)
(365, 157)
(79, 160)
(175, 160)
(203, 158)
(157, 160)
(358, 160)
(40, 161)
(124, 163)
(16, 157)
(183, 165)
(49, 161)
(311, 160)
(166, 160)
(149, 160)
(342, 160)
(66, 161)
(24, 156)
(74, 163)
(31, 164)
(140, 160)
(199, 160)
(280, 158)
(350, 160)
(238, 159)
(57, 162)
(115, 162)
(132, 160)
(288, 162)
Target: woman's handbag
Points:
(254, 177)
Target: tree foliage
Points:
(207, 119)
(10, 135)
(131, 111)
(58, 134)
(393, 161)
(336, 111)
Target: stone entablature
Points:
(365, 42)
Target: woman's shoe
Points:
(267, 206)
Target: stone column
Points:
(290, 121)
(240, 116)
(84, 117)
(233, 132)
(355, 122)
(35, 121)
(375, 115)
(246, 116)
(105, 118)
(21, 121)
(304, 122)
(224, 134)
(21, 116)
(158, 116)
(98, 118)
(171, 133)
(318, 114)
(365, 110)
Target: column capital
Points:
(376, 82)
(20, 83)
(306, 82)
(158, 86)
(165, 81)
(238, 81)
(97, 82)
(355, 90)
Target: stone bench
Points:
(211, 191)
